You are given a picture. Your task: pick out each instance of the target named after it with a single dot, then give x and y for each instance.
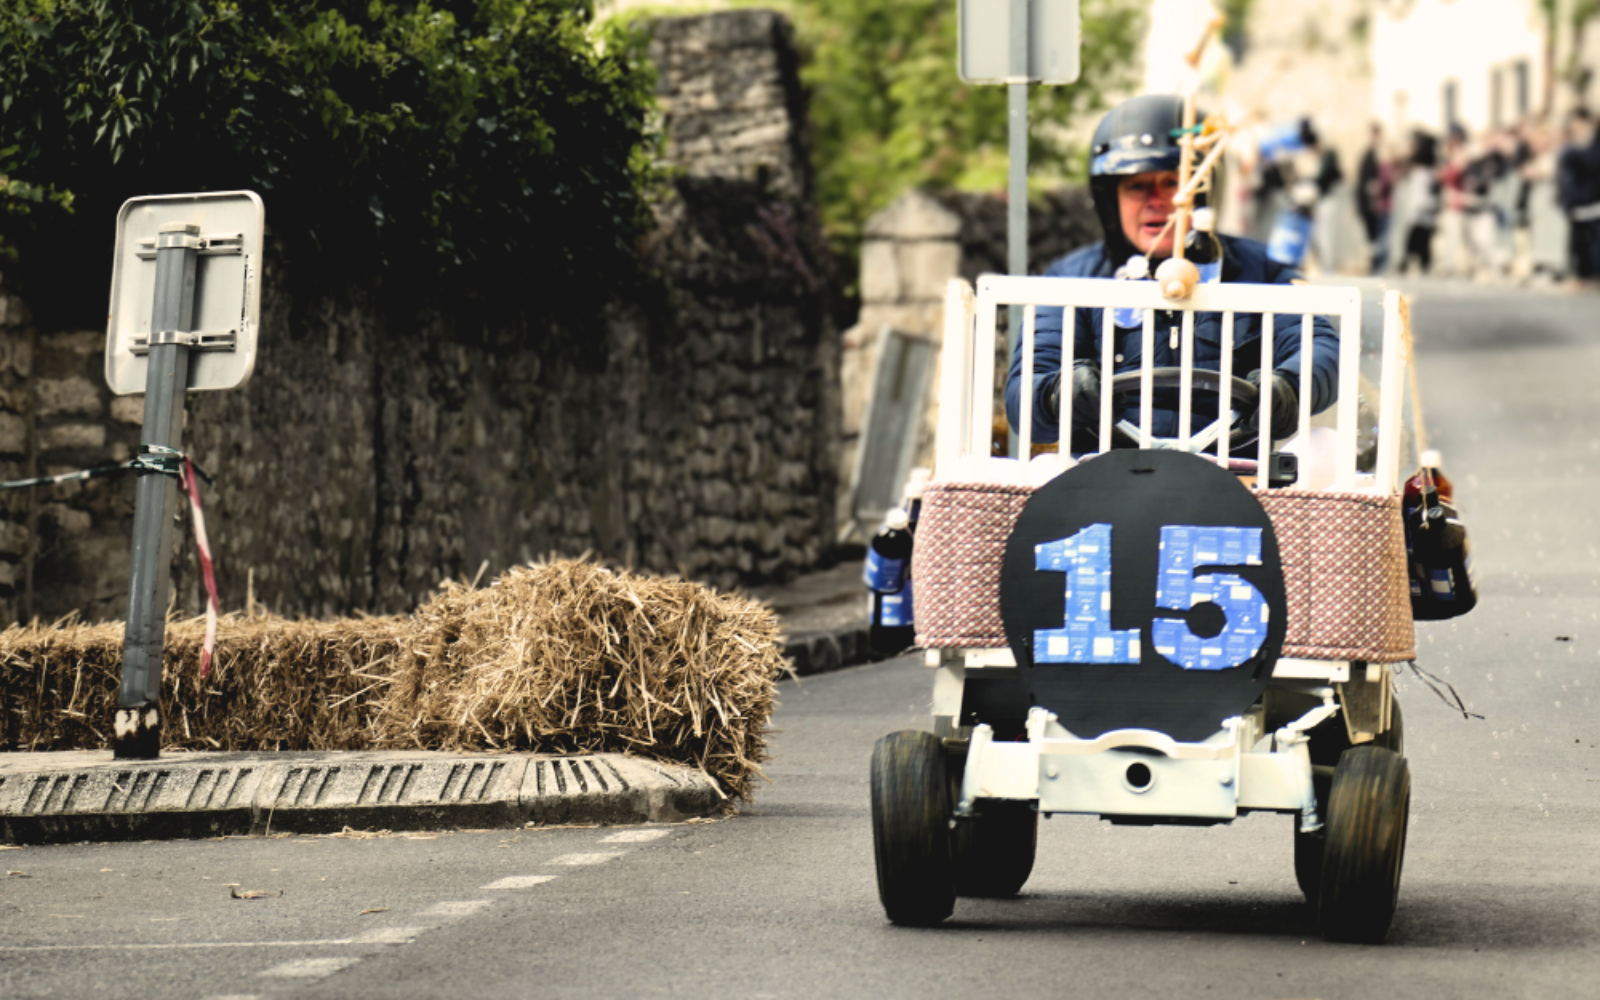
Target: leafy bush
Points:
(890, 113)
(460, 139)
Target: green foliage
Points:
(889, 112)
(486, 138)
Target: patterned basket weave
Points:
(1343, 564)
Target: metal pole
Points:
(137, 732)
(1017, 179)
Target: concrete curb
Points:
(73, 796)
(820, 651)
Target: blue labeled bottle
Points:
(888, 574)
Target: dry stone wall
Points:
(380, 448)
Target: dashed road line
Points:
(308, 968)
(390, 935)
(587, 859)
(456, 908)
(635, 836)
(520, 882)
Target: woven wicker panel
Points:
(1350, 549)
(1343, 563)
(961, 539)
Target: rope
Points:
(1454, 698)
(152, 459)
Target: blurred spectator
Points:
(1485, 217)
(1547, 224)
(1328, 176)
(1454, 261)
(1374, 196)
(1416, 200)
(1578, 189)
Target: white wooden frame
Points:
(967, 397)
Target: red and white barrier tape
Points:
(191, 487)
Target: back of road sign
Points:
(227, 302)
(985, 41)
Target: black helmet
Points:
(1135, 137)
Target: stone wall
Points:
(911, 251)
(381, 448)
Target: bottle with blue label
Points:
(887, 574)
(892, 631)
(888, 564)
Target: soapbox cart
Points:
(1161, 633)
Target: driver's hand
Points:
(1285, 405)
(1086, 393)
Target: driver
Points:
(1133, 178)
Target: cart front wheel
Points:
(911, 828)
(1368, 804)
(994, 850)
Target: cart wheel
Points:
(994, 850)
(1328, 744)
(1366, 842)
(911, 828)
(1308, 847)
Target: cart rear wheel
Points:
(994, 850)
(911, 828)
(1368, 805)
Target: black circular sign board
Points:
(1150, 587)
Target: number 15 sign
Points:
(1144, 589)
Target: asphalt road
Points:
(1501, 896)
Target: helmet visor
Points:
(1135, 154)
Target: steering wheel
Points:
(1245, 399)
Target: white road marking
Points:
(456, 908)
(178, 945)
(520, 882)
(586, 859)
(307, 968)
(390, 935)
(236, 996)
(634, 836)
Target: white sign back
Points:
(227, 302)
(984, 29)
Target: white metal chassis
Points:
(1141, 775)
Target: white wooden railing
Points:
(967, 391)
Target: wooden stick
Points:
(1185, 166)
(1199, 51)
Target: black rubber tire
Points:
(1329, 742)
(1364, 851)
(911, 812)
(994, 850)
(1308, 849)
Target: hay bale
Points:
(559, 657)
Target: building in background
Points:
(1476, 64)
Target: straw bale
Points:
(564, 656)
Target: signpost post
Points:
(1017, 43)
(188, 323)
